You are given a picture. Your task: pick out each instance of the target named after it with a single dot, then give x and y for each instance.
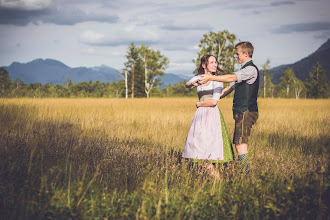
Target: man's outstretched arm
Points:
(224, 78)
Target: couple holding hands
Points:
(208, 137)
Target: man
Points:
(245, 108)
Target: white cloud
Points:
(99, 32)
(26, 4)
(117, 35)
(89, 50)
(91, 37)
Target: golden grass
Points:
(72, 148)
(166, 121)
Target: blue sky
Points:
(94, 33)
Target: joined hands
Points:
(204, 79)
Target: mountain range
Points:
(54, 71)
(303, 67)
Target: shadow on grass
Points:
(39, 158)
(57, 170)
(316, 145)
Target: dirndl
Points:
(208, 137)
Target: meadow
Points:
(121, 159)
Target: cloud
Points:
(138, 36)
(186, 27)
(182, 65)
(120, 35)
(282, 3)
(92, 37)
(66, 16)
(21, 13)
(324, 36)
(185, 6)
(302, 27)
(244, 6)
(124, 42)
(29, 5)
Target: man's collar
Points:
(242, 64)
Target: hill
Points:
(53, 71)
(304, 66)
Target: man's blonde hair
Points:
(246, 47)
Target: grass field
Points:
(117, 158)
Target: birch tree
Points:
(267, 87)
(126, 87)
(299, 86)
(287, 81)
(265, 71)
(154, 65)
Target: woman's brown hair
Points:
(205, 60)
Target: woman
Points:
(208, 138)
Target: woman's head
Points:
(209, 63)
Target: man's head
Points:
(244, 51)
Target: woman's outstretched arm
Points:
(193, 82)
(190, 84)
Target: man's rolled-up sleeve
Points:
(249, 74)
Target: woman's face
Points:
(211, 66)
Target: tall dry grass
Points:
(116, 158)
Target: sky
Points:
(94, 33)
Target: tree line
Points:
(145, 67)
(315, 86)
(96, 89)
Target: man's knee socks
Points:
(244, 162)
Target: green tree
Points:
(317, 83)
(52, 90)
(287, 82)
(133, 60)
(222, 46)
(299, 87)
(5, 82)
(154, 64)
(267, 88)
(19, 82)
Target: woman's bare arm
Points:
(207, 103)
(226, 91)
(191, 84)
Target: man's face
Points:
(240, 56)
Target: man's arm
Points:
(224, 78)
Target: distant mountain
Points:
(171, 78)
(53, 71)
(304, 66)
